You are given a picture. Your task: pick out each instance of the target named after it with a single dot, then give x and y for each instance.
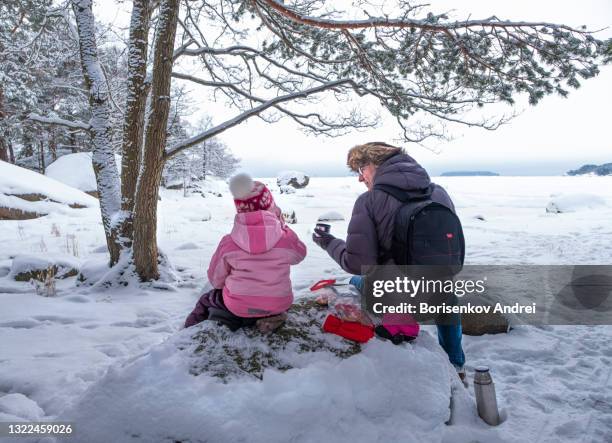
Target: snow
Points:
(110, 359)
(574, 202)
(323, 400)
(17, 181)
(74, 170)
(18, 405)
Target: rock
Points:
(224, 354)
(480, 217)
(331, 216)
(32, 197)
(29, 267)
(18, 214)
(480, 324)
(286, 189)
(290, 217)
(296, 179)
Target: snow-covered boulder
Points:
(26, 194)
(287, 189)
(574, 202)
(297, 384)
(295, 179)
(33, 267)
(331, 216)
(74, 170)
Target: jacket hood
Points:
(402, 171)
(257, 231)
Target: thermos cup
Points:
(323, 227)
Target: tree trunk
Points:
(4, 153)
(11, 151)
(41, 158)
(145, 210)
(73, 143)
(53, 144)
(133, 127)
(103, 158)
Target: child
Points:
(249, 271)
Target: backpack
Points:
(425, 233)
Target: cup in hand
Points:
(322, 227)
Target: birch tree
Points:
(99, 126)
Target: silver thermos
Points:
(486, 402)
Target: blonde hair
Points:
(374, 152)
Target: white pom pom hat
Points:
(250, 195)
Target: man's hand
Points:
(322, 238)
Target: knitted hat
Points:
(250, 195)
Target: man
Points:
(370, 230)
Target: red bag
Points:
(348, 329)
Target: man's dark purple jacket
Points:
(370, 230)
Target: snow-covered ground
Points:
(108, 357)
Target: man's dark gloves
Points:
(322, 238)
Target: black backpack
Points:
(425, 233)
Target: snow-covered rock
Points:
(289, 216)
(26, 194)
(287, 189)
(298, 384)
(331, 216)
(574, 202)
(74, 170)
(28, 267)
(296, 179)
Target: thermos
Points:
(486, 402)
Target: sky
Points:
(556, 135)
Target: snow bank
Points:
(383, 393)
(20, 181)
(574, 202)
(74, 170)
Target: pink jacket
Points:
(252, 263)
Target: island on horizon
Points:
(605, 169)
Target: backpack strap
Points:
(405, 196)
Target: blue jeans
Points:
(449, 333)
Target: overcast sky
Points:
(557, 135)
